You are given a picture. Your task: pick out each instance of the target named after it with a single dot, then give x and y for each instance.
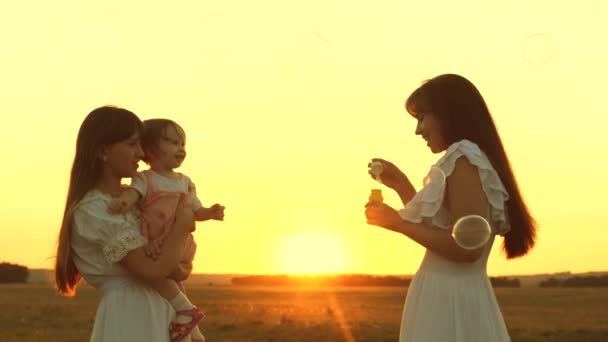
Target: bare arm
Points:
(406, 192)
(141, 266)
(182, 272)
(394, 179)
(202, 214)
(215, 212)
(464, 196)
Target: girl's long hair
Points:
(463, 114)
(102, 127)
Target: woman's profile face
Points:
(122, 158)
(429, 128)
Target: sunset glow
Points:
(285, 102)
(313, 253)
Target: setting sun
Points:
(312, 253)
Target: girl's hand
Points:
(153, 249)
(123, 203)
(391, 176)
(382, 215)
(217, 212)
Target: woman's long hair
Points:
(463, 114)
(102, 127)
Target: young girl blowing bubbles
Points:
(157, 191)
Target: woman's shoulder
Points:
(94, 206)
(491, 183)
(92, 220)
(94, 201)
(465, 148)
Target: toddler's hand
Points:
(117, 206)
(217, 212)
(152, 249)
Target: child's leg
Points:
(170, 290)
(181, 286)
(167, 288)
(196, 334)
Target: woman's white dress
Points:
(449, 301)
(128, 311)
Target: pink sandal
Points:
(198, 339)
(178, 331)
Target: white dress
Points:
(449, 301)
(128, 311)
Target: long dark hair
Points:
(102, 127)
(463, 114)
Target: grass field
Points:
(33, 312)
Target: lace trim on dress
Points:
(126, 240)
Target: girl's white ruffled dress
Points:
(449, 301)
(128, 311)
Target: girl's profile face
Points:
(430, 130)
(122, 158)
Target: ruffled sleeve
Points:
(115, 235)
(428, 202)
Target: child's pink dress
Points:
(160, 196)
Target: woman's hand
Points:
(391, 176)
(395, 179)
(382, 215)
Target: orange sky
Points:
(284, 103)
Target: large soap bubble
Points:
(471, 232)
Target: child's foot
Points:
(185, 322)
(186, 339)
(196, 335)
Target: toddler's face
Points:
(171, 150)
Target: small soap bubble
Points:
(537, 49)
(376, 169)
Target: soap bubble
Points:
(471, 232)
(376, 169)
(537, 49)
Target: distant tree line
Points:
(321, 280)
(505, 282)
(12, 273)
(344, 280)
(578, 281)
